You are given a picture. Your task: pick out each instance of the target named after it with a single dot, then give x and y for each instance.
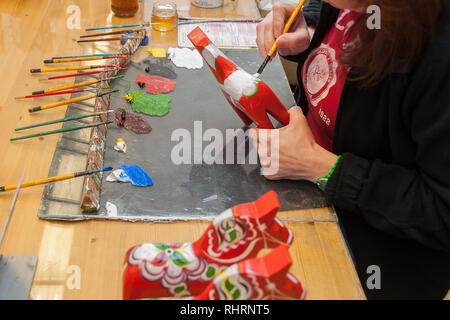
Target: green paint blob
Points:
(127, 87)
(153, 105)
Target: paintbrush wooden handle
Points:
(79, 74)
(54, 93)
(78, 127)
(288, 24)
(38, 182)
(81, 59)
(60, 69)
(77, 117)
(62, 103)
(53, 179)
(40, 134)
(114, 27)
(72, 59)
(76, 85)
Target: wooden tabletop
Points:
(34, 30)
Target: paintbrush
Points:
(60, 92)
(54, 179)
(182, 20)
(108, 39)
(79, 74)
(70, 101)
(192, 20)
(78, 127)
(274, 46)
(71, 86)
(115, 27)
(39, 70)
(111, 33)
(83, 59)
(77, 117)
(86, 55)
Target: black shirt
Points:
(391, 187)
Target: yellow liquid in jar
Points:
(164, 20)
(124, 8)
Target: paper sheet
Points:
(223, 34)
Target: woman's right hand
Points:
(271, 28)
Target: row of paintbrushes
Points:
(73, 88)
(65, 90)
(69, 89)
(125, 33)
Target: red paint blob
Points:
(131, 121)
(156, 84)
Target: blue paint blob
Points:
(137, 176)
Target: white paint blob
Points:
(185, 58)
(240, 83)
(118, 176)
(111, 209)
(120, 146)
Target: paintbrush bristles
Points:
(264, 64)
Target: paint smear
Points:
(157, 52)
(153, 105)
(131, 121)
(120, 146)
(118, 176)
(111, 209)
(155, 85)
(137, 175)
(163, 67)
(186, 58)
(131, 173)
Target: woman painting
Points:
(373, 131)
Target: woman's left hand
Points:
(293, 150)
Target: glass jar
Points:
(164, 15)
(124, 8)
(210, 4)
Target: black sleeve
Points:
(411, 202)
(312, 11)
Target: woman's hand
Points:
(271, 28)
(296, 153)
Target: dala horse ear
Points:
(264, 209)
(268, 206)
(275, 266)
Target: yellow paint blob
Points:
(157, 52)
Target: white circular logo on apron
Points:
(319, 73)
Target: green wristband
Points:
(322, 181)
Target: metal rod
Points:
(11, 209)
